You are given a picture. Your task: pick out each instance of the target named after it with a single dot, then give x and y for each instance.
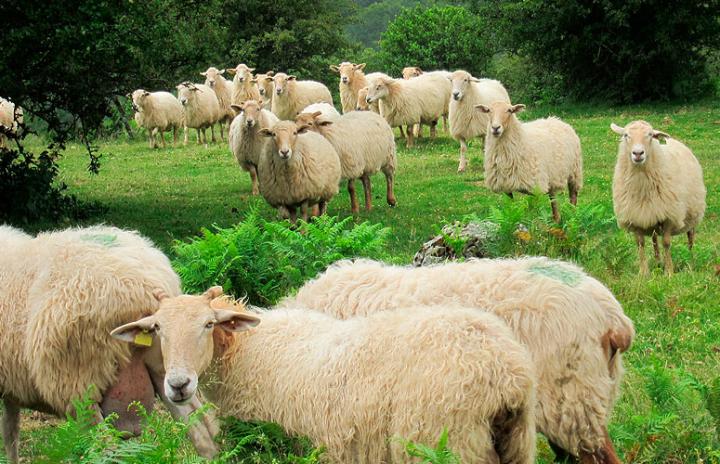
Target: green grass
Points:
(670, 407)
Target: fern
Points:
(440, 454)
(264, 442)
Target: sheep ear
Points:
(204, 73)
(302, 129)
(292, 77)
(483, 108)
(324, 123)
(517, 108)
(474, 79)
(360, 67)
(237, 108)
(232, 321)
(270, 73)
(269, 79)
(213, 292)
(265, 132)
(222, 71)
(146, 93)
(660, 135)
(231, 71)
(138, 332)
(617, 129)
(334, 68)
(260, 102)
(316, 114)
(251, 69)
(159, 294)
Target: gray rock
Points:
(472, 240)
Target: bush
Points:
(440, 37)
(525, 81)
(266, 260)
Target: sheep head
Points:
(282, 81)
(501, 114)
(211, 76)
(638, 140)
(461, 80)
(184, 326)
(251, 111)
(314, 121)
(284, 135)
(362, 104)
(347, 71)
(242, 73)
(411, 71)
(262, 81)
(379, 89)
(186, 92)
(138, 99)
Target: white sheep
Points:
(10, 117)
(202, 109)
(325, 109)
(291, 95)
(246, 142)
(356, 387)
(423, 99)
(365, 144)
(362, 103)
(61, 294)
(466, 122)
(301, 169)
(658, 189)
(572, 325)
(542, 155)
(352, 79)
(223, 91)
(157, 112)
(243, 85)
(264, 87)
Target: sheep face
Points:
(251, 110)
(379, 90)
(411, 71)
(284, 135)
(138, 99)
(211, 76)
(347, 71)
(242, 73)
(461, 80)
(186, 93)
(638, 140)
(313, 121)
(362, 104)
(263, 82)
(501, 115)
(281, 82)
(184, 327)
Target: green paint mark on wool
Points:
(107, 240)
(558, 272)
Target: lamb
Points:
(657, 189)
(355, 386)
(243, 85)
(246, 142)
(10, 117)
(215, 80)
(365, 144)
(465, 121)
(159, 112)
(264, 86)
(423, 99)
(202, 109)
(572, 325)
(302, 169)
(544, 154)
(291, 95)
(352, 79)
(60, 295)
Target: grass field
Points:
(670, 407)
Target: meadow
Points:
(669, 411)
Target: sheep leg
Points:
(463, 156)
(254, 178)
(573, 193)
(640, 239)
(656, 248)
(367, 187)
(510, 194)
(354, 207)
(445, 123)
(212, 133)
(304, 208)
(390, 180)
(11, 429)
(410, 141)
(321, 207)
(561, 455)
(162, 137)
(604, 455)
(691, 238)
(222, 134)
(402, 132)
(417, 130)
(667, 238)
(175, 131)
(292, 213)
(185, 135)
(433, 129)
(554, 205)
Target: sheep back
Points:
(422, 99)
(298, 95)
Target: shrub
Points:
(265, 442)
(441, 454)
(266, 260)
(439, 37)
(526, 81)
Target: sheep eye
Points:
(209, 325)
(466, 80)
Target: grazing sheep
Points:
(264, 87)
(302, 169)
(356, 386)
(658, 189)
(408, 102)
(10, 117)
(544, 154)
(215, 80)
(466, 122)
(246, 142)
(572, 325)
(352, 79)
(61, 294)
(365, 144)
(291, 95)
(243, 86)
(202, 109)
(159, 112)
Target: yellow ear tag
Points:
(143, 338)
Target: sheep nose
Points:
(638, 153)
(284, 152)
(456, 93)
(278, 91)
(344, 80)
(262, 92)
(179, 383)
(495, 129)
(367, 99)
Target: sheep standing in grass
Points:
(243, 86)
(246, 142)
(264, 87)
(544, 154)
(215, 80)
(61, 294)
(362, 103)
(466, 122)
(365, 144)
(356, 386)
(408, 102)
(10, 117)
(658, 189)
(302, 169)
(572, 325)
(291, 95)
(202, 109)
(352, 79)
(160, 111)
